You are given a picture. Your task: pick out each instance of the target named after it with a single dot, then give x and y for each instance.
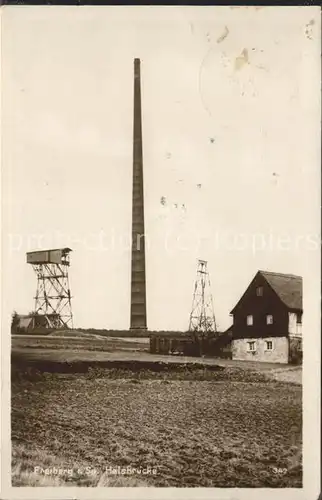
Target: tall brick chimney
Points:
(138, 319)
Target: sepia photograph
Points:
(160, 258)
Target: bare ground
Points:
(196, 421)
(194, 433)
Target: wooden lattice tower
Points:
(202, 318)
(53, 307)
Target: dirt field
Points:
(219, 433)
(85, 404)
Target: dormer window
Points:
(259, 291)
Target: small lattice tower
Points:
(53, 307)
(202, 317)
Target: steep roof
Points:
(287, 286)
(24, 321)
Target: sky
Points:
(230, 110)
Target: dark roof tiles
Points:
(287, 286)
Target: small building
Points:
(32, 323)
(172, 343)
(24, 323)
(188, 344)
(267, 320)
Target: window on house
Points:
(269, 319)
(268, 345)
(251, 346)
(249, 319)
(299, 318)
(259, 291)
(300, 345)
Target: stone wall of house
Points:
(278, 354)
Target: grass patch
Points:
(83, 342)
(22, 369)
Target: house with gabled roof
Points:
(267, 320)
(32, 323)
